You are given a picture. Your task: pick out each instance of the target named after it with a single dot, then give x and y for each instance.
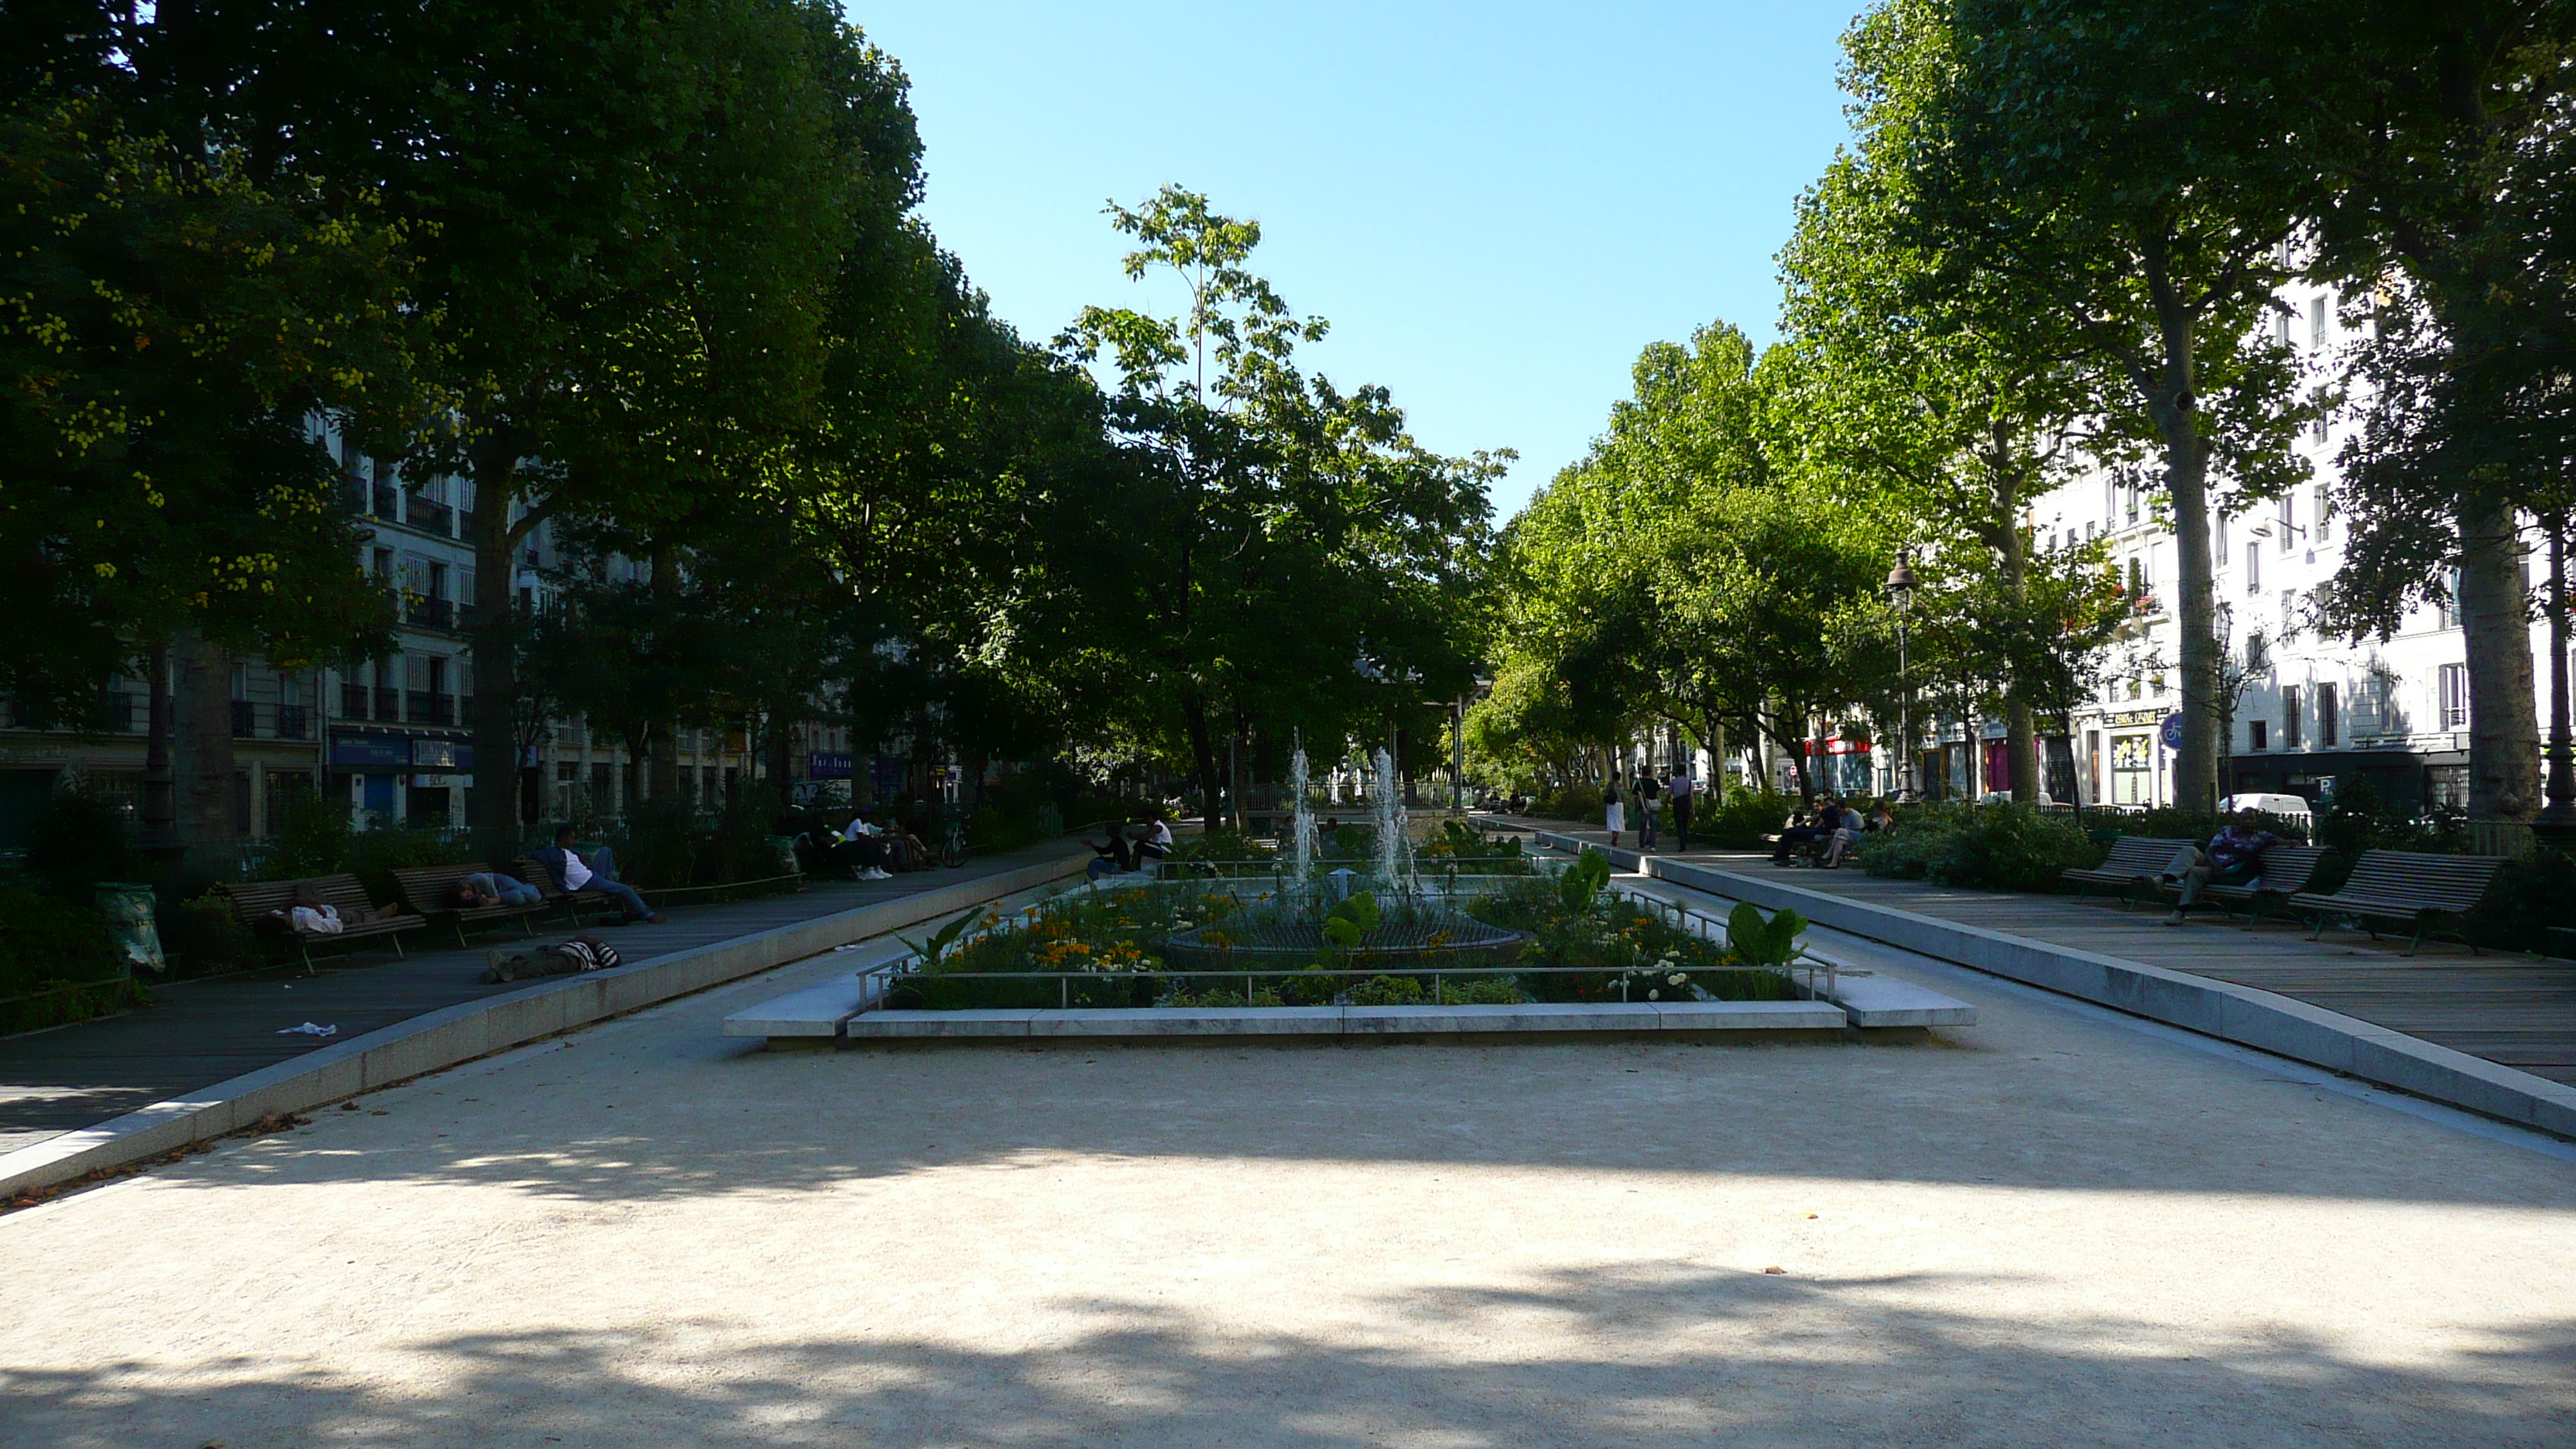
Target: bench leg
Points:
(2320, 930)
(399, 953)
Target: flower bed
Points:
(1105, 949)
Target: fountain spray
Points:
(1303, 846)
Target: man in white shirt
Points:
(599, 873)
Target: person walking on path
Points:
(1645, 810)
(1612, 812)
(1682, 788)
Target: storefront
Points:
(2136, 757)
(401, 777)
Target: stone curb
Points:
(443, 1038)
(2246, 1015)
(1627, 1018)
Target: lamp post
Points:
(1900, 593)
(2557, 822)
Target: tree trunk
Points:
(2172, 396)
(159, 807)
(2495, 622)
(1202, 753)
(202, 745)
(776, 745)
(663, 780)
(2021, 750)
(491, 802)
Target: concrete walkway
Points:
(2058, 1227)
(198, 1033)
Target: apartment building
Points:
(2306, 710)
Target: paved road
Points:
(2059, 1227)
(197, 1033)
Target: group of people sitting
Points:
(874, 848)
(568, 868)
(1827, 833)
(2234, 857)
(1139, 848)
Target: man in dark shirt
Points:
(2234, 857)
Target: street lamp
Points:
(1900, 593)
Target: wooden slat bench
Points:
(2135, 860)
(2287, 869)
(2415, 888)
(425, 889)
(527, 869)
(254, 899)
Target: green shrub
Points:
(2000, 847)
(374, 855)
(1571, 802)
(1388, 991)
(2531, 896)
(310, 837)
(58, 963)
(1741, 822)
(205, 935)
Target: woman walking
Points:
(1615, 814)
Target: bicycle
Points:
(952, 851)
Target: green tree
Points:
(2116, 176)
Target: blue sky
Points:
(1495, 205)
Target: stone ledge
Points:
(460, 1033)
(1166, 1023)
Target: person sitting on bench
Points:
(1804, 832)
(1117, 857)
(865, 849)
(486, 888)
(2234, 857)
(1154, 840)
(599, 873)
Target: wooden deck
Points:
(2508, 1009)
(197, 1033)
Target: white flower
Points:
(1654, 996)
(1677, 978)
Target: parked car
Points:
(2293, 808)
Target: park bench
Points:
(425, 889)
(527, 869)
(2135, 860)
(2286, 871)
(2414, 888)
(253, 900)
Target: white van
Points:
(2288, 807)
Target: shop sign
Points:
(371, 752)
(827, 765)
(435, 754)
(2128, 717)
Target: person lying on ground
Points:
(313, 914)
(486, 888)
(599, 873)
(581, 953)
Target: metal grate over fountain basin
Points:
(1442, 937)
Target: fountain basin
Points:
(1439, 937)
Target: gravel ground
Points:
(2054, 1228)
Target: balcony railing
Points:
(388, 705)
(427, 708)
(353, 701)
(435, 613)
(245, 719)
(293, 723)
(423, 513)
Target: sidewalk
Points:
(2506, 1009)
(198, 1033)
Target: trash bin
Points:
(128, 908)
(784, 846)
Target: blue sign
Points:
(372, 752)
(2171, 732)
(827, 765)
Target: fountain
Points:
(1303, 851)
(1409, 927)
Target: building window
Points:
(2218, 548)
(2447, 786)
(2257, 653)
(2455, 696)
(2329, 717)
(2320, 323)
(2290, 718)
(2133, 505)
(2289, 520)
(2451, 600)
(2253, 570)
(2324, 510)
(2257, 735)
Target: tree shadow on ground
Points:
(1639, 1359)
(560, 1126)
